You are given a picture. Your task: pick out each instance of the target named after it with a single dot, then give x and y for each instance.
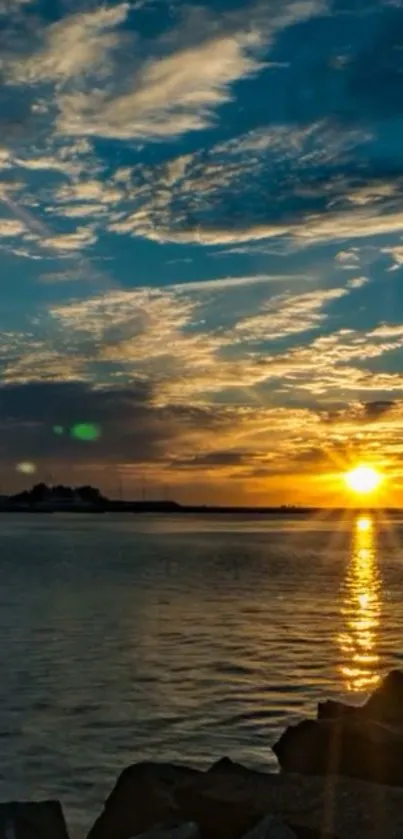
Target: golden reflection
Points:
(360, 610)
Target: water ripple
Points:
(131, 639)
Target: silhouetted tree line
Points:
(43, 494)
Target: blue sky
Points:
(201, 243)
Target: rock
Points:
(218, 816)
(333, 710)
(42, 820)
(271, 828)
(300, 748)
(143, 797)
(303, 832)
(225, 764)
(313, 807)
(188, 830)
(229, 797)
(385, 705)
(365, 750)
(227, 768)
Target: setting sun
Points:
(363, 479)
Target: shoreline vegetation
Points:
(341, 777)
(87, 499)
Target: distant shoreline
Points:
(172, 508)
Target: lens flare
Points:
(26, 468)
(86, 431)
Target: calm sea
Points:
(184, 639)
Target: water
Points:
(184, 639)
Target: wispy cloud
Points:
(174, 92)
(139, 147)
(9, 228)
(287, 314)
(74, 46)
(163, 335)
(169, 96)
(81, 238)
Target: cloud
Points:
(133, 430)
(81, 211)
(357, 282)
(74, 46)
(83, 237)
(303, 187)
(186, 444)
(92, 191)
(9, 228)
(349, 259)
(291, 185)
(309, 230)
(374, 410)
(45, 363)
(9, 7)
(169, 96)
(147, 325)
(223, 283)
(287, 314)
(396, 254)
(164, 335)
(178, 89)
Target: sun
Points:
(363, 480)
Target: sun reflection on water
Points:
(361, 610)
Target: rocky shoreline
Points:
(341, 778)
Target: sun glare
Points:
(363, 480)
(363, 523)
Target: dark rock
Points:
(143, 797)
(300, 748)
(333, 710)
(386, 703)
(218, 817)
(230, 800)
(365, 750)
(188, 830)
(42, 820)
(271, 828)
(227, 768)
(303, 832)
(225, 764)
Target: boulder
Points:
(218, 815)
(385, 705)
(42, 820)
(304, 832)
(333, 710)
(363, 749)
(188, 830)
(271, 828)
(143, 797)
(313, 807)
(386, 702)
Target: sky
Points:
(201, 246)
